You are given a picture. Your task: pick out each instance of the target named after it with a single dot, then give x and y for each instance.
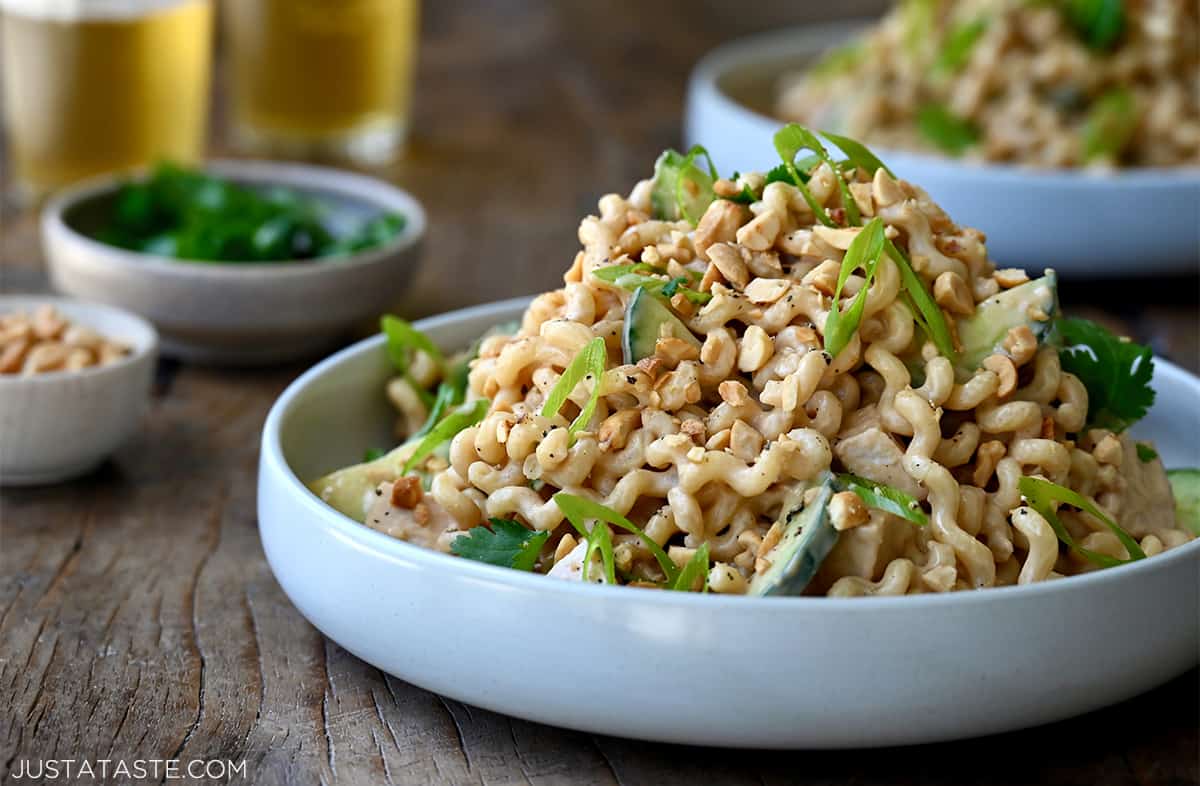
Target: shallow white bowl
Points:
(62, 424)
(1129, 222)
(241, 313)
(748, 672)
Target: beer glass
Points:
(98, 85)
(321, 78)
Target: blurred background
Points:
(523, 112)
(507, 118)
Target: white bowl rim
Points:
(395, 550)
(147, 341)
(362, 187)
(799, 40)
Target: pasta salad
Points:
(809, 381)
(1058, 83)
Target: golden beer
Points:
(96, 85)
(322, 77)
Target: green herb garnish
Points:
(885, 498)
(839, 60)
(865, 251)
(1145, 453)
(660, 287)
(945, 130)
(956, 48)
(790, 141)
(588, 363)
(1098, 22)
(928, 314)
(371, 454)
(695, 570)
(1115, 371)
(1111, 122)
(682, 189)
(1043, 495)
(600, 539)
(402, 340)
(857, 154)
(462, 418)
(187, 214)
(580, 509)
(611, 273)
(507, 544)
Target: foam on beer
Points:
(76, 10)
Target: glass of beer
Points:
(98, 85)
(322, 78)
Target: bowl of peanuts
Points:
(74, 382)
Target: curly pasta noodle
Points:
(700, 444)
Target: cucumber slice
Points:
(646, 320)
(808, 538)
(1185, 485)
(1034, 303)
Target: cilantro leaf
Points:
(1145, 453)
(371, 454)
(885, 498)
(507, 544)
(1115, 371)
(945, 130)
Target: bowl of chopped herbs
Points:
(242, 262)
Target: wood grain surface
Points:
(138, 617)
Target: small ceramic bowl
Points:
(241, 313)
(1076, 221)
(61, 424)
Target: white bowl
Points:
(236, 312)
(61, 424)
(1129, 222)
(711, 670)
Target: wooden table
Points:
(139, 620)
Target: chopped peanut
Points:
(46, 342)
(733, 393)
(951, 293)
(616, 428)
(846, 511)
(823, 277)
(755, 350)
(673, 350)
(1003, 368)
(1021, 344)
(729, 262)
(719, 224)
(407, 492)
(1011, 277)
